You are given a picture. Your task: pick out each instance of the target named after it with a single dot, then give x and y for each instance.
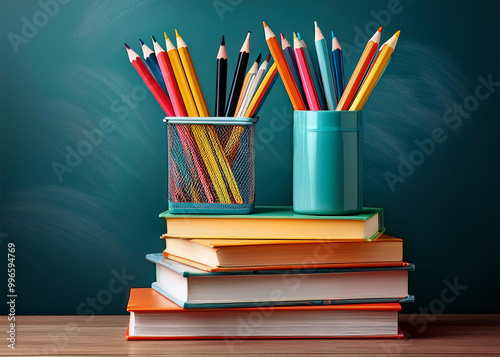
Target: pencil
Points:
(262, 91)
(292, 64)
(152, 63)
(250, 75)
(180, 77)
(189, 146)
(324, 67)
(255, 84)
(337, 67)
(257, 100)
(375, 72)
(192, 77)
(169, 79)
(239, 77)
(313, 68)
(221, 81)
(150, 81)
(245, 90)
(305, 75)
(283, 69)
(360, 71)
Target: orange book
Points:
(154, 317)
(214, 254)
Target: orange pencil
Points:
(284, 70)
(359, 72)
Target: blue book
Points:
(192, 288)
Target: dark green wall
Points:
(75, 233)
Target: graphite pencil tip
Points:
(153, 38)
(223, 43)
(142, 43)
(128, 48)
(258, 58)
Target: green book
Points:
(278, 222)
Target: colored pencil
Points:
(375, 72)
(189, 146)
(169, 79)
(152, 63)
(337, 64)
(324, 67)
(150, 82)
(239, 77)
(246, 83)
(313, 68)
(262, 91)
(284, 70)
(254, 85)
(258, 98)
(360, 71)
(305, 75)
(192, 77)
(292, 64)
(221, 81)
(180, 77)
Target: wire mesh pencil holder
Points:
(211, 165)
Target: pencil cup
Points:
(327, 162)
(211, 165)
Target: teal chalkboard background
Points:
(82, 236)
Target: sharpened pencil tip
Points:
(299, 37)
(397, 33)
(268, 58)
(153, 38)
(166, 37)
(258, 58)
(128, 48)
(333, 35)
(295, 36)
(264, 23)
(142, 43)
(177, 34)
(223, 43)
(315, 24)
(380, 29)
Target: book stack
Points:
(273, 274)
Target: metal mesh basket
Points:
(211, 165)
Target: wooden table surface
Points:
(444, 335)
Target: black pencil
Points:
(220, 86)
(239, 77)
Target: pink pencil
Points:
(305, 75)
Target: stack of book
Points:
(273, 274)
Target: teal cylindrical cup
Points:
(328, 162)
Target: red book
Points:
(154, 317)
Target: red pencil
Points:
(151, 82)
(305, 75)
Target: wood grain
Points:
(446, 335)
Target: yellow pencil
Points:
(192, 77)
(180, 76)
(375, 73)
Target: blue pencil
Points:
(324, 67)
(292, 64)
(313, 68)
(152, 63)
(337, 67)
